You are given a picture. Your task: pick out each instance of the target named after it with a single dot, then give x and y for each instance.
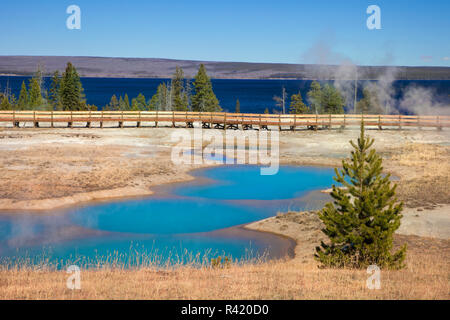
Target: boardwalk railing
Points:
(220, 120)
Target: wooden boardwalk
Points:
(218, 120)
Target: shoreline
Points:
(120, 194)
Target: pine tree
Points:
(332, 100)
(113, 104)
(35, 90)
(4, 103)
(141, 103)
(204, 98)
(35, 96)
(126, 103)
(13, 102)
(238, 106)
(266, 111)
(54, 98)
(121, 104)
(315, 97)
(23, 97)
(361, 221)
(71, 90)
(179, 101)
(297, 105)
(160, 100)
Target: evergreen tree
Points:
(55, 91)
(332, 100)
(13, 102)
(369, 104)
(4, 103)
(23, 97)
(134, 105)
(126, 103)
(361, 221)
(35, 90)
(121, 104)
(113, 104)
(315, 97)
(204, 98)
(35, 96)
(238, 106)
(297, 105)
(160, 100)
(139, 103)
(179, 101)
(71, 90)
(266, 111)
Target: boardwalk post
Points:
(121, 118)
(379, 122)
(399, 122)
(186, 120)
(295, 122)
(225, 121)
(156, 119)
(139, 120)
(439, 127)
(329, 122)
(69, 124)
(279, 122)
(418, 122)
(14, 118)
(36, 122)
(88, 124)
(343, 126)
(101, 119)
(51, 115)
(317, 122)
(173, 119)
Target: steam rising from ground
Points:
(422, 101)
(340, 69)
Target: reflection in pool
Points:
(198, 217)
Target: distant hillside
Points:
(164, 68)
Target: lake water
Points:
(181, 220)
(254, 95)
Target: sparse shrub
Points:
(220, 263)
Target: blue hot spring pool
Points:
(195, 220)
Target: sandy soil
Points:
(49, 168)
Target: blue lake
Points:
(203, 217)
(254, 95)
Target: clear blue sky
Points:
(414, 32)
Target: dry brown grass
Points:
(53, 172)
(422, 165)
(426, 277)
